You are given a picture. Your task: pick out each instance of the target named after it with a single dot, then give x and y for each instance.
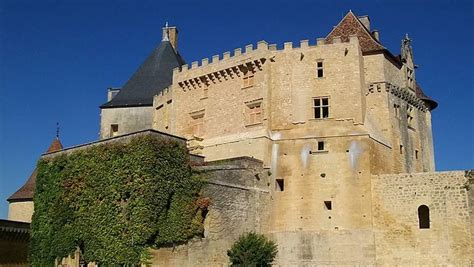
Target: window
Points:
(401, 149)
(279, 185)
(248, 80)
(205, 90)
(416, 154)
(410, 115)
(424, 217)
(114, 130)
(410, 76)
(397, 110)
(320, 146)
(198, 125)
(321, 107)
(328, 205)
(254, 113)
(319, 69)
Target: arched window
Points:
(424, 217)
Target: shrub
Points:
(252, 249)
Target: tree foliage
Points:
(252, 249)
(114, 201)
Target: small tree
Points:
(252, 250)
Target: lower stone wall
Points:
(239, 195)
(241, 202)
(325, 248)
(398, 237)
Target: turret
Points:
(21, 205)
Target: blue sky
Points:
(58, 57)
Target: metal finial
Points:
(57, 130)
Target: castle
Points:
(337, 137)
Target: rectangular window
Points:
(410, 115)
(401, 149)
(410, 78)
(319, 69)
(321, 107)
(248, 79)
(279, 185)
(320, 146)
(416, 154)
(114, 130)
(205, 90)
(397, 110)
(254, 114)
(198, 125)
(328, 205)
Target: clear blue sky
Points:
(58, 57)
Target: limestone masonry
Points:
(325, 146)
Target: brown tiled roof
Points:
(55, 146)
(350, 25)
(26, 192)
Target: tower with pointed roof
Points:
(129, 109)
(20, 203)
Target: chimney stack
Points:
(170, 33)
(376, 35)
(365, 21)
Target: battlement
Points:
(163, 97)
(250, 51)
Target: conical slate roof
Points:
(154, 75)
(27, 191)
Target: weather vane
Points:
(57, 130)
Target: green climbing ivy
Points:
(114, 201)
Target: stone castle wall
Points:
(239, 195)
(20, 211)
(240, 203)
(361, 136)
(398, 237)
(128, 119)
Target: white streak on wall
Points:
(275, 148)
(305, 154)
(355, 150)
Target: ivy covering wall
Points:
(114, 201)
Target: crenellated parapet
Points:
(403, 93)
(162, 97)
(228, 66)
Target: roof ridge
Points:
(357, 32)
(367, 30)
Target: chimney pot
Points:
(365, 20)
(170, 33)
(376, 35)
